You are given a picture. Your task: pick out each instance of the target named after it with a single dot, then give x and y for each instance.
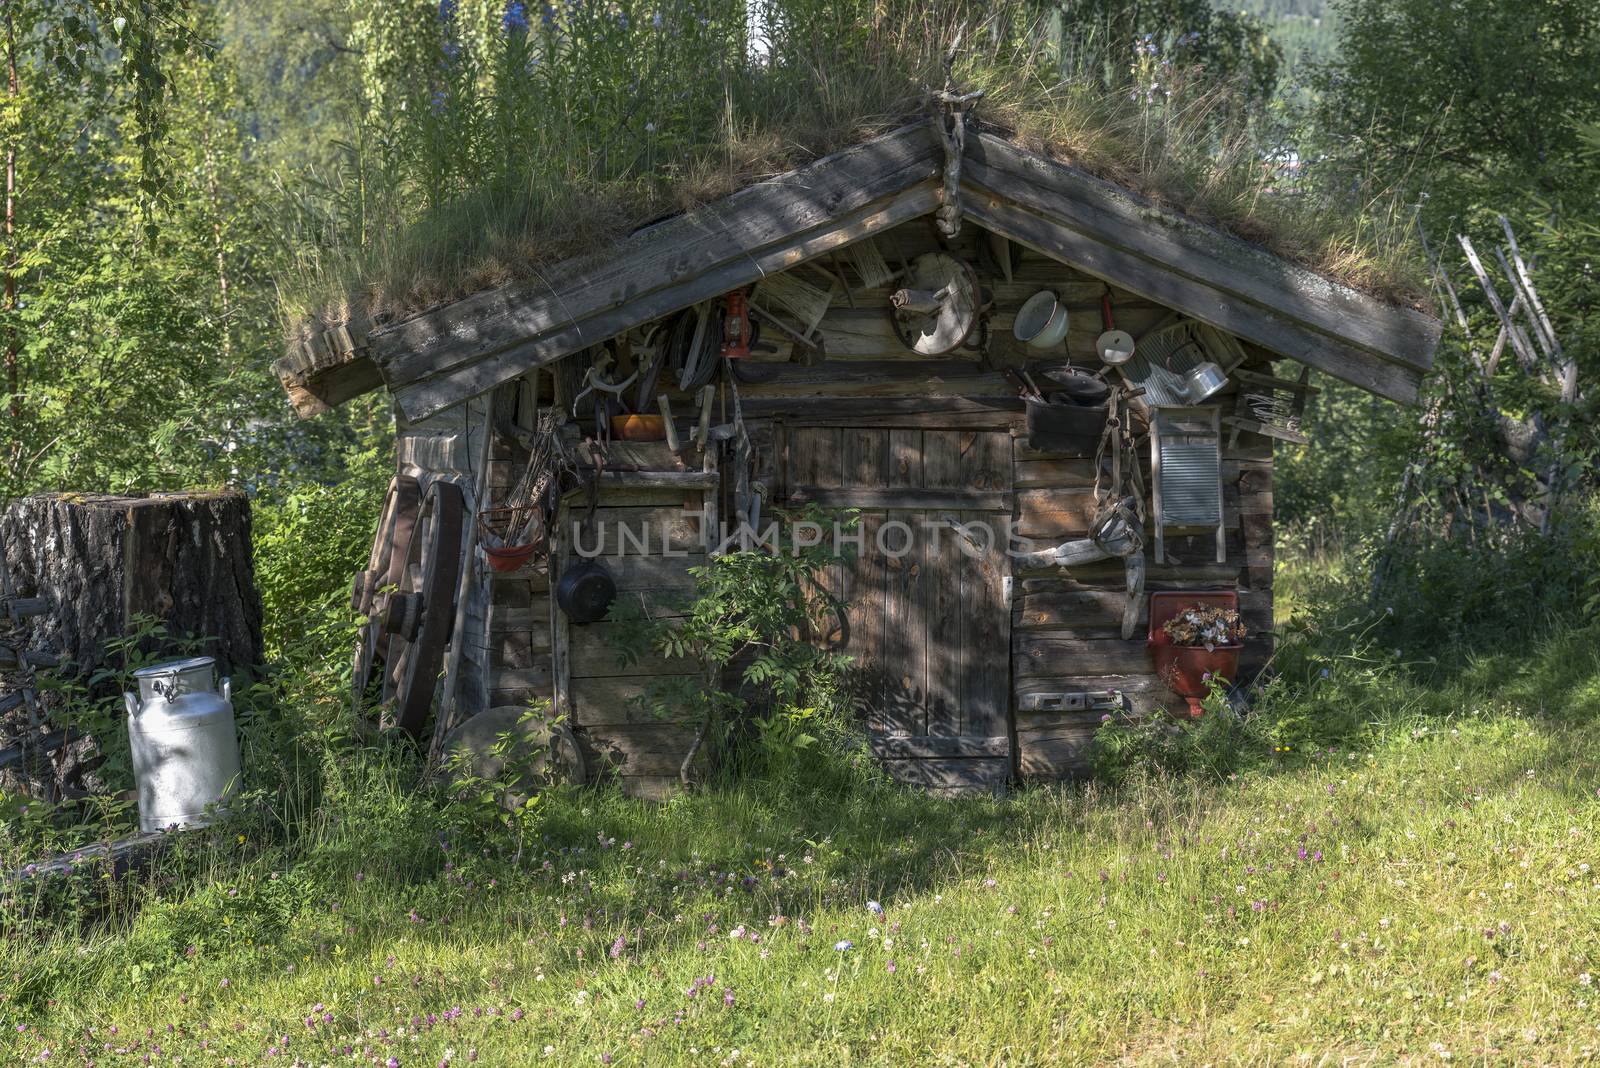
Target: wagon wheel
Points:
(419, 616)
(385, 561)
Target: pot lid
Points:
(175, 667)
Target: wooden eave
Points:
(437, 359)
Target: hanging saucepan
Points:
(1115, 346)
(586, 590)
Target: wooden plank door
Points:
(927, 618)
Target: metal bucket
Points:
(1061, 426)
(181, 733)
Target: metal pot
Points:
(181, 733)
(585, 591)
(1041, 322)
(1204, 381)
(1065, 427)
(1074, 385)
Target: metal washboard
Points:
(1167, 353)
(1186, 472)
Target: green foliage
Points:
(752, 617)
(137, 341)
(307, 546)
(489, 143)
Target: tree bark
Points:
(86, 570)
(102, 562)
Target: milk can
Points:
(185, 752)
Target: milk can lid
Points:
(175, 667)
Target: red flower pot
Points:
(508, 557)
(1188, 669)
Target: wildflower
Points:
(1585, 979)
(618, 946)
(891, 968)
(727, 998)
(875, 908)
(844, 945)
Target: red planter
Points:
(1182, 667)
(1188, 669)
(508, 557)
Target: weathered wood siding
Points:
(1065, 632)
(450, 447)
(611, 702)
(849, 433)
(1066, 624)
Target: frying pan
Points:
(1115, 346)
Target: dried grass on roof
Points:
(1186, 151)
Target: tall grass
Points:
(498, 142)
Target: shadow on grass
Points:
(376, 859)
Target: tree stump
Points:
(85, 569)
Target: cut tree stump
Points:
(84, 568)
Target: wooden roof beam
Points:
(441, 358)
(1120, 221)
(1199, 300)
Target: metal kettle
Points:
(181, 734)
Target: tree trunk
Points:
(86, 569)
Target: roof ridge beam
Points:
(1122, 220)
(1200, 300)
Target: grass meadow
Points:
(1425, 889)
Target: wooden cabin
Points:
(886, 380)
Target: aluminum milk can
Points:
(185, 751)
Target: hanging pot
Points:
(1077, 386)
(1204, 381)
(1114, 346)
(586, 590)
(1041, 321)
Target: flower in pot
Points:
(1202, 641)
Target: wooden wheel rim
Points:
(432, 570)
(390, 548)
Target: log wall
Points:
(1064, 624)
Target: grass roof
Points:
(431, 209)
